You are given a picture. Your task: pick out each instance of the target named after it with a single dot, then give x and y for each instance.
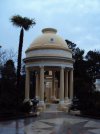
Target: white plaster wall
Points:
(49, 52)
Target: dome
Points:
(49, 44)
(48, 39)
(49, 49)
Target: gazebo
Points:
(50, 53)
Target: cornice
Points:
(48, 47)
(40, 58)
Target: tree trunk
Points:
(19, 58)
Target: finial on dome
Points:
(49, 30)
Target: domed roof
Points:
(49, 49)
(48, 39)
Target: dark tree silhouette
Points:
(93, 59)
(8, 90)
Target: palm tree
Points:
(24, 23)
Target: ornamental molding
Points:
(49, 65)
(47, 47)
(43, 58)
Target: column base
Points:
(41, 106)
(68, 102)
(61, 102)
(53, 98)
(66, 98)
(61, 105)
(41, 103)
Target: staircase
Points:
(50, 108)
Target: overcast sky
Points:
(75, 20)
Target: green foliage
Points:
(9, 95)
(91, 106)
(8, 86)
(86, 70)
(93, 67)
(71, 46)
(76, 52)
(8, 71)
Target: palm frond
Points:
(24, 22)
(27, 23)
(17, 20)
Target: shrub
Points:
(26, 107)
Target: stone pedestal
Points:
(75, 112)
(41, 106)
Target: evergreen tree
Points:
(8, 86)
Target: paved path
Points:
(52, 108)
(51, 122)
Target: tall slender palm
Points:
(24, 23)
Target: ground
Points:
(51, 122)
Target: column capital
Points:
(41, 66)
(62, 67)
(66, 71)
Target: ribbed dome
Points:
(49, 39)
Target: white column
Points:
(62, 85)
(41, 85)
(45, 91)
(71, 85)
(66, 85)
(53, 86)
(37, 86)
(27, 85)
